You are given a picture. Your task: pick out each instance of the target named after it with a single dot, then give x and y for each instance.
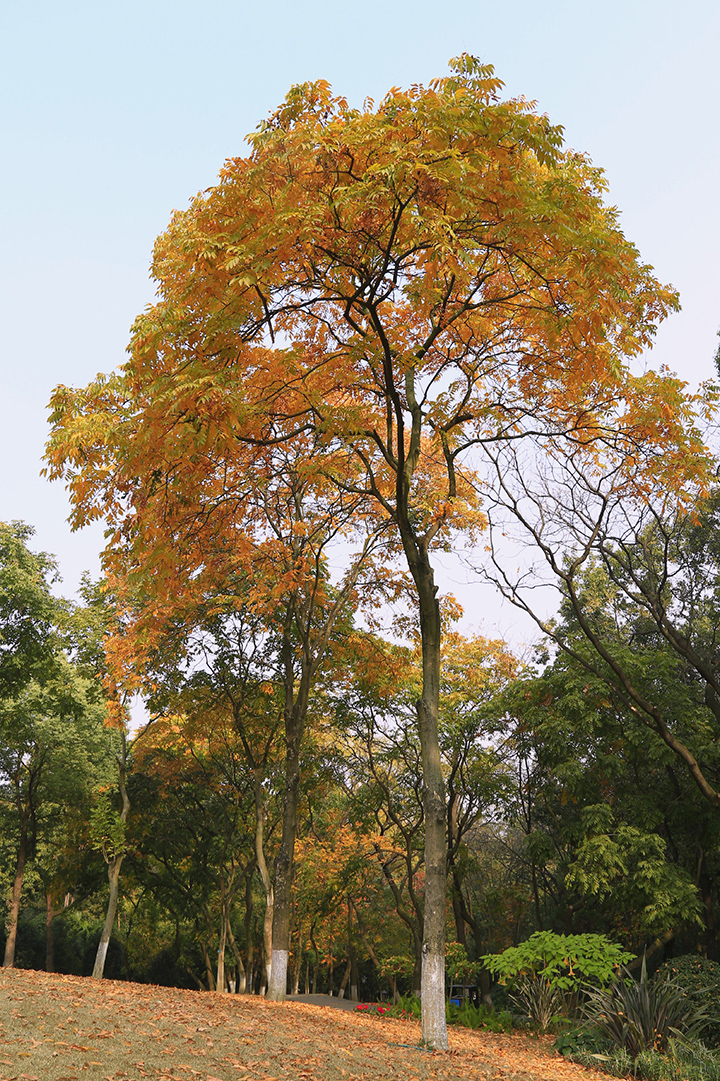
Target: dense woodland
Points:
(385, 335)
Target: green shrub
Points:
(583, 1040)
(565, 961)
(700, 978)
(549, 973)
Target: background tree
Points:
(53, 747)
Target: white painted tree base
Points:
(278, 976)
(432, 1002)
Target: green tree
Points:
(52, 743)
(619, 835)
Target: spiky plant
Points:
(642, 1015)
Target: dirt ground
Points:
(66, 1028)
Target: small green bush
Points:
(700, 978)
(565, 961)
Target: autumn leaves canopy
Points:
(382, 290)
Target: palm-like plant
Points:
(540, 999)
(642, 1015)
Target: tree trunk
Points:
(114, 865)
(316, 962)
(114, 880)
(295, 711)
(354, 978)
(208, 965)
(703, 883)
(14, 913)
(434, 1024)
(220, 980)
(241, 975)
(265, 876)
(344, 981)
(298, 957)
(249, 943)
(50, 914)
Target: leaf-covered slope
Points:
(57, 1027)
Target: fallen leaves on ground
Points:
(66, 1028)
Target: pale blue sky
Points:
(113, 114)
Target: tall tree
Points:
(395, 288)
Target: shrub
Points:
(467, 1015)
(548, 972)
(565, 961)
(700, 978)
(641, 1016)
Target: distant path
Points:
(324, 1000)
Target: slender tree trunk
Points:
(265, 876)
(194, 976)
(114, 880)
(249, 943)
(50, 914)
(208, 965)
(221, 982)
(354, 977)
(14, 913)
(344, 981)
(298, 957)
(536, 896)
(114, 865)
(363, 935)
(241, 974)
(295, 711)
(703, 884)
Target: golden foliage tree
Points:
(391, 290)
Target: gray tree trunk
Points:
(114, 880)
